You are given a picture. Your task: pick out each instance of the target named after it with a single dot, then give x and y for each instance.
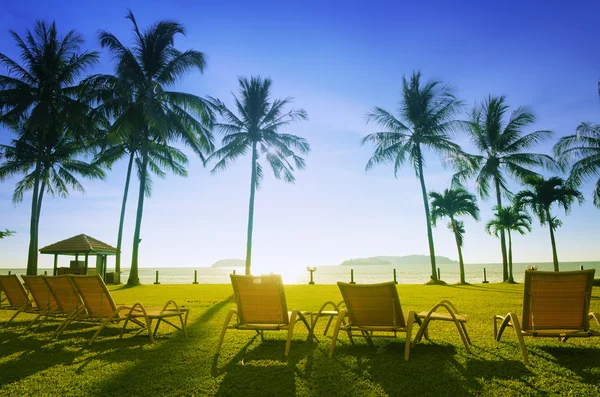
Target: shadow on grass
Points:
(584, 362)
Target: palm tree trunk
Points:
(133, 272)
(460, 257)
(502, 234)
(32, 253)
(251, 210)
(511, 279)
(122, 218)
(553, 241)
(39, 211)
(434, 276)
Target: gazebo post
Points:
(86, 263)
(55, 265)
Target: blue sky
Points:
(338, 60)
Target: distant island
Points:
(398, 260)
(229, 263)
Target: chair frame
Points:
(397, 323)
(525, 325)
(27, 307)
(453, 316)
(288, 319)
(48, 306)
(134, 313)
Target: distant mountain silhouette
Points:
(398, 260)
(229, 263)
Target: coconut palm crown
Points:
(38, 100)
(582, 150)
(503, 150)
(452, 203)
(540, 197)
(255, 130)
(425, 121)
(510, 218)
(139, 103)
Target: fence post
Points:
(439, 277)
(156, 282)
(581, 267)
(395, 282)
(195, 277)
(485, 277)
(352, 276)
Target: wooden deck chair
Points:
(372, 308)
(101, 308)
(261, 306)
(42, 296)
(67, 299)
(555, 304)
(17, 298)
(453, 315)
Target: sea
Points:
(405, 274)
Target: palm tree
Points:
(543, 193)
(452, 203)
(137, 98)
(37, 98)
(57, 165)
(502, 146)
(509, 218)
(426, 120)
(256, 129)
(159, 157)
(583, 150)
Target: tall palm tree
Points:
(159, 157)
(137, 98)
(583, 150)
(452, 203)
(426, 120)
(256, 129)
(38, 98)
(502, 145)
(510, 218)
(543, 193)
(57, 165)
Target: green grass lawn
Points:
(30, 364)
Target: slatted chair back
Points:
(41, 294)
(260, 299)
(557, 300)
(96, 297)
(13, 290)
(64, 293)
(373, 304)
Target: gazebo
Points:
(81, 245)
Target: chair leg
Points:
(466, 333)
(224, 329)
(505, 322)
(409, 327)
(34, 321)
(596, 317)
(156, 327)
(517, 327)
(461, 331)
(290, 333)
(422, 331)
(12, 318)
(328, 324)
(336, 331)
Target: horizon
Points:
(338, 62)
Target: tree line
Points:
(69, 125)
